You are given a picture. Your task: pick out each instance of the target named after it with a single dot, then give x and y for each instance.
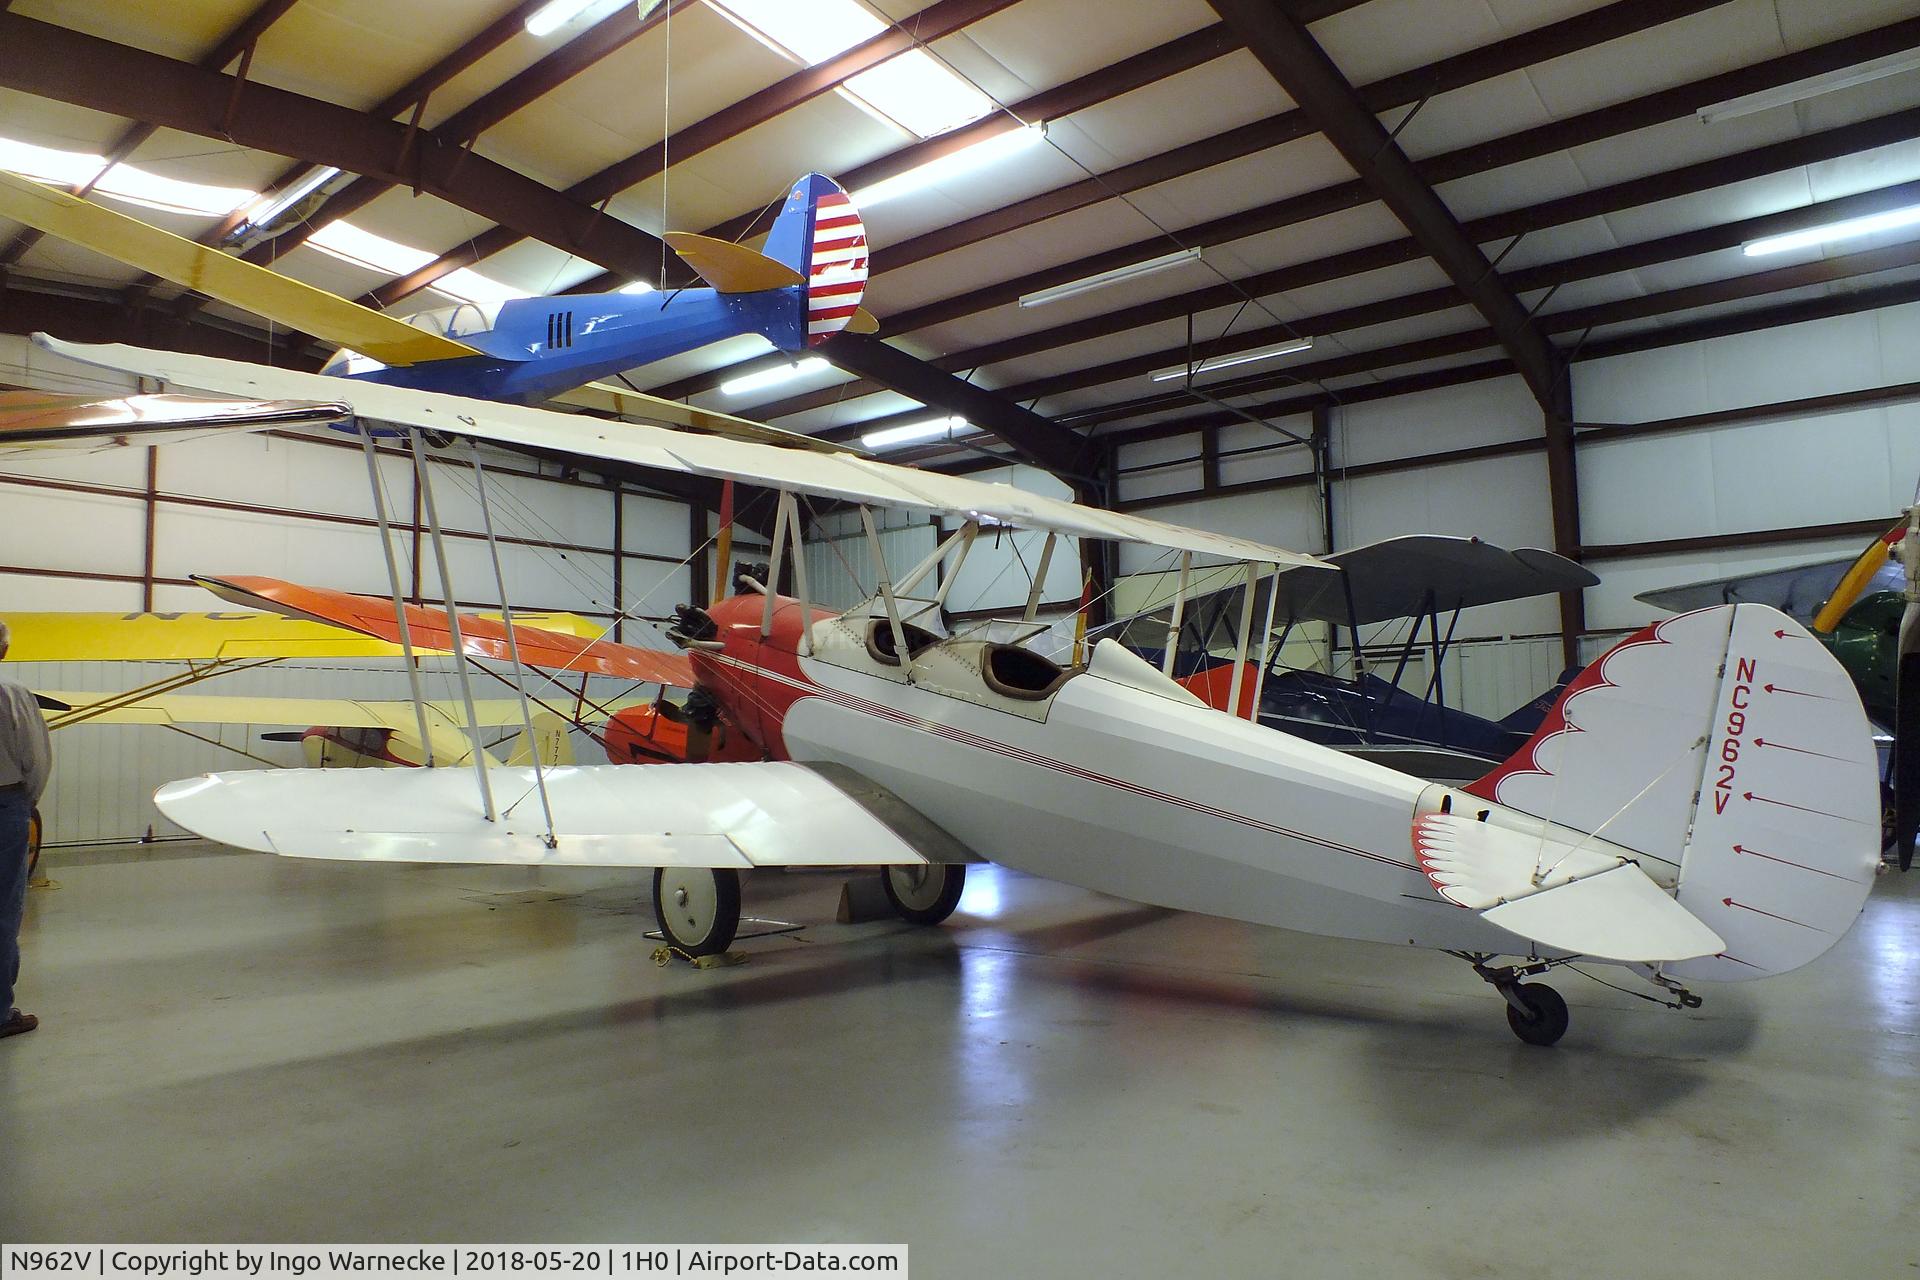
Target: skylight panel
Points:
(342, 240)
(809, 31)
(912, 90)
(123, 181)
(916, 92)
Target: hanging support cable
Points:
(453, 622)
(513, 646)
(393, 586)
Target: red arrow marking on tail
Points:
(1769, 915)
(1805, 751)
(1787, 635)
(1755, 853)
(1798, 693)
(1838, 817)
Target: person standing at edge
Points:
(26, 757)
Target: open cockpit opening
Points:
(1014, 672)
(881, 646)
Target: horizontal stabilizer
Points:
(730, 267)
(765, 814)
(217, 275)
(1584, 898)
(864, 321)
(1616, 915)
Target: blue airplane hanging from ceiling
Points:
(803, 289)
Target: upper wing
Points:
(45, 421)
(624, 402)
(482, 637)
(267, 293)
(843, 476)
(686, 815)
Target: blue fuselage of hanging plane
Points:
(805, 287)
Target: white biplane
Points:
(1700, 804)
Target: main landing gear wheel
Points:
(925, 894)
(1544, 1020)
(698, 907)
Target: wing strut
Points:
(393, 585)
(1173, 619)
(513, 645)
(421, 470)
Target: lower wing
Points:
(765, 814)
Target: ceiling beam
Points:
(1547, 275)
(1299, 65)
(232, 45)
(1839, 304)
(1034, 437)
(1184, 53)
(608, 36)
(69, 66)
(1572, 35)
(942, 18)
(414, 93)
(1689, 179)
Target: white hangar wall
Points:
(1645, 501)
(122, 531)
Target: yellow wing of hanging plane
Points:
(208, 637)
(324, 315)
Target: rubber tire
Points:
(34, 832)
(952, 886)
(726, 915)
(1549, 1020)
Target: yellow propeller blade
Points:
(266, 293)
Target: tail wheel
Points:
(698, 907)
(925, 894)
(1545, 1019)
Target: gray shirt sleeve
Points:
(26, 745)
(36, 755)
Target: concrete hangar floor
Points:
(237, 1047)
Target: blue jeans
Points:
(14, 814)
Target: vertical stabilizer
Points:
(819, 234)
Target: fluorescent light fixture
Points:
(271, 207)
(771, 377)
(1850, 229)
(914, 432)
(549, 18)
(1811, 87)
(638, 286)
(952, 165)
(1227, 362)
(1132, 271)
